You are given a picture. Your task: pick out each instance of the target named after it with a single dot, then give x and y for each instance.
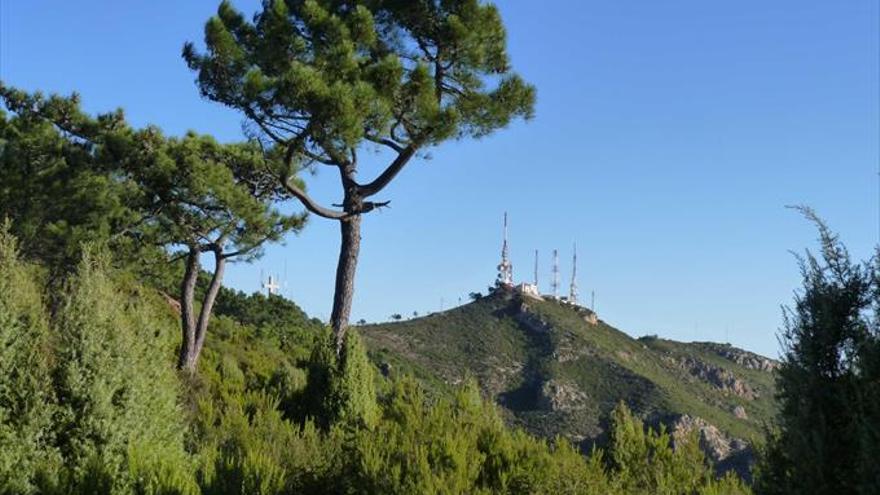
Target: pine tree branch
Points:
(389, 173)
(310, 204)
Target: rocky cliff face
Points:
(717, 377)
(745, 359)
(725, 452)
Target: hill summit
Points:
(556, 369)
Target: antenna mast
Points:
(536, 268)
(573, 288)
(505, 269)
(555, 283)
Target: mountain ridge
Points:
(556, 369)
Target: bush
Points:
(119, 425)
(27, 401)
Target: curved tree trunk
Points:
(208, 305)
(187, 310)
(345, 273)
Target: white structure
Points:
(272, 286)
(530, 290)
(505, 268)
(505, 279)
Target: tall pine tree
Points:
(324, 80)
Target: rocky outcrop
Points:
(719, 378)
(561, 396)
(747, 359)
(531, 320)
(726, 453)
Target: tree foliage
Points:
(139, 192)
(206, 197)
(58, 187)
(648, 463)
(118, 423)
(88, 403)
(827, 435)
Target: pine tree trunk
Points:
(187, 311)
(208, 306)
(345, 273)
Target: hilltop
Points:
(556, 369)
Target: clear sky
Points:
(668, 137)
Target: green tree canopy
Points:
(58, 186)
(76, 178)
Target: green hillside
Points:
(556, 370)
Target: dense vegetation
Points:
(90, 403)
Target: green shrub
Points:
(461, 445)
(119, 425)
(644, 461)
(26, 398)
(352, 388)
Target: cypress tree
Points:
(826, 436)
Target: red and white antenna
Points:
(505, 268)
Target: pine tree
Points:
(56, 186)
(209, 198)
(323, 80)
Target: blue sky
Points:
(668, 137)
